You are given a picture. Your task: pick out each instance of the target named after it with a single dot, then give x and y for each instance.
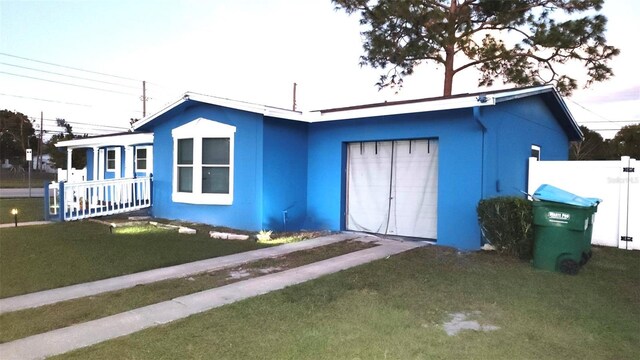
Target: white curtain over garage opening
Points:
(392, 187)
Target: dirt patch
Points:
(289, 261)
(465, 321)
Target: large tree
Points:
(58, 157)
(626, 142)
(16, 135)
(592, 147)
(524, 42)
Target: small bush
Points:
(507, 224)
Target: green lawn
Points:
(29, 209)
(42, 257)
(21, 180)
(19, 324)
(395, 309)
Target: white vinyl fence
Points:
(616, 182)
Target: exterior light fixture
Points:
(14, 212)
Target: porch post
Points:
(95, 163)
(69, 156)
(129, 162)
(101, 161)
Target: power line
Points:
(68, 67)
(47, 100)
(64, 83)
(591, 111)
(610, 121)
(71, 76)
(83, 123)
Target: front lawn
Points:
(35, 258)
(29, 209)
(396, 309)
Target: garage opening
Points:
(392, 187)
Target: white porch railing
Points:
(81, 200)
(74, 175)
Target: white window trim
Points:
(149, 159)
(197, 130)
(118, 161)
(536, 148)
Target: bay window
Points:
(203, 163)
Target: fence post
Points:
(150, 189)
(46, 200)
(61, 205)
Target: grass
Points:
(19, 324)
(29, 209)
(21, 180)
(395, 308)
(43, 257)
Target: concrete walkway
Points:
(177, 271)
(89, 333)
(25, 223)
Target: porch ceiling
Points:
(121, 139)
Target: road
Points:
(20, 193)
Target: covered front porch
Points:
(117, 179)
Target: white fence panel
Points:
(617, 214)
(630, 229)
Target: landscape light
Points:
(14, 212)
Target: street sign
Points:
(29, 155)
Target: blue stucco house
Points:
(410, 168)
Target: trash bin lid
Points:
(548, 192)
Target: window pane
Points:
(141, 164)
(185, 151)
(185, 179)
(215, 151)
(111, 159)
(141, 153)
(215, 180)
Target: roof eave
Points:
(102, 141)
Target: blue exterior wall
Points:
(512, 128)
(285, 174)
(459, 165)
(246, 210)
(90, 164)
(298, 169)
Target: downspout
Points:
(477, 117)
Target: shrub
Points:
(507, 224)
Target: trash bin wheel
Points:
(569, 267)
(584, 259)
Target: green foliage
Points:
(16, 135)
(59, 156)
(507, 224)
(403, 34)
(626, 142)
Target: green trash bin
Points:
(563, 225)
(587, 253)
(559, 236)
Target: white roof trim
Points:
(112, 140)
(228, 103)
(357, 112)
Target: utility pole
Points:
(295, 85)
(39, 166)
(144, 99)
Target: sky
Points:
(85, 60)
